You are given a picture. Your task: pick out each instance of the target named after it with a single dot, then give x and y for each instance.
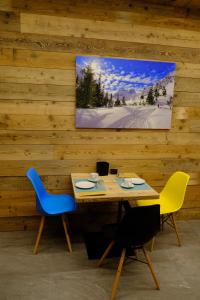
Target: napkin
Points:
(82, 194)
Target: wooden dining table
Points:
(108, 189)
(112, 191)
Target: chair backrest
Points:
(37, 183)
(139, 225)
(174, 189)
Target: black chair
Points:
(138, 226)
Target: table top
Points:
(113, 191)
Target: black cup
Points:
(102, 168)
(113, 171)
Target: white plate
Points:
(124, 185)
(138, 180)
(84, 184)
(93, 180)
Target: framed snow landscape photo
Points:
(123, 93)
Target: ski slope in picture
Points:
(123, 93)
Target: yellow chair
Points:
(171, 199)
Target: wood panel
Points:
(45, 59)
(68, 77)
(180, 122)
(36, 92)
(98, 47)
(138, 15)
(37, 75)
(82, 137)
(63, 182)
(109, 152)
(19, 223)
(65, 167)
(184, 125)
(186, 213)
(64, 7)
(9, 21)
(59, 60)
(6, 5)
(178, 3)
(183, 138)
(186, 99)
(29, 107)
(188, 70)
(51, 25)
(39, 41)
(191, 85)
(36, 122)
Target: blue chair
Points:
(50, 205)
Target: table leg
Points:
(122, 204)
(119, 212)
(126, 205)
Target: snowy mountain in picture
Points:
(122, 93)
(127, 94)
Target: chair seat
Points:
(166, 206)
(58, 204)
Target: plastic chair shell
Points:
(46, 203)
(172, 195)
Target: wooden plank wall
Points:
(38, 44)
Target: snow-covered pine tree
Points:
(150, 97)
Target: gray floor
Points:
(56, 274)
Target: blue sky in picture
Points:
(125, 74)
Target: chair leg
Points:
(175, 227)
(162, 222)
(135, 252)
(151, 268)
(106, 252)
(152, 243)
(66, 233)
(35, 250)
(117, 277)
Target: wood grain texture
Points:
(98, 47)
(179, 3)
(51, 25)
(65, 167)
(9, 21)
(109, 152)
(30, 91)
(36, 122)
(62, 60)
(37, 75)
(39, 41)
(181, 122)
(67, 78)
(42, 59)
(186, 99)
(6, 5)
(28, 107)
(113, 193)
(138, 15)
(80, 137)
(63, 182)
(147, 6)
